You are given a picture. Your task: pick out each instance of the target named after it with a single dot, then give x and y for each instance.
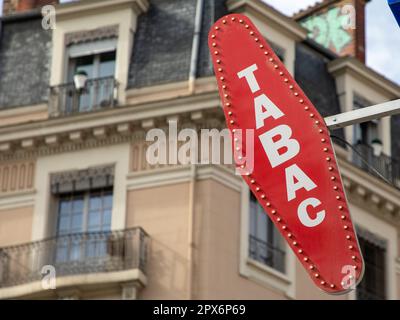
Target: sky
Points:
(382, 31)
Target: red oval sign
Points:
(295, 176)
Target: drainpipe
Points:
(1, 24)
(196, 45)
(192, 183)
(193, 169)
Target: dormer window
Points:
(90, 54)
(369, 143)
(100, 71)
(96, 66)
(367, 132)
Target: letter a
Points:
(262, 103)
(303, 181)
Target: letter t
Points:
(248, 73)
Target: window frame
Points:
(65, 241)
(382, 231)
(381, 245)
(86, 211)
(98, 89)
(255, 271)
(360, 102)
(71, 64)
(274, 242)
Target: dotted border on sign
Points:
(317, 120)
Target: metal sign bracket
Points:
(349, 118)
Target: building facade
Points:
(79, 200)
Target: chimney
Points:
(16, 6)
(360, 30)
(337, 25)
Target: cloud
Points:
(383, 40)
(382, 32)
(289, 7)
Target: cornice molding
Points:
(82, 180)
(100, 136)
(287, 24)
(88, 6)
(61, 147)
(91, 35)
(371, 193)
(109, 117)
(182, 174)
(353, 66)
(17, 199)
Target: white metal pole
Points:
(349, 118)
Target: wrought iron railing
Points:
(74, 254)
(267, 254)
(380, 166)
(98, 94)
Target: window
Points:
(100, 69)
(83, 203)
(373, 285)
(279, 51)
(96, 66)
(364, 133)
(266, 245)
(80, 212)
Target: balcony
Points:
(98, 94)
(81, 259)
(267, 254)
(387, 167)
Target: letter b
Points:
(272, 147)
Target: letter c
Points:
(304, 216)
